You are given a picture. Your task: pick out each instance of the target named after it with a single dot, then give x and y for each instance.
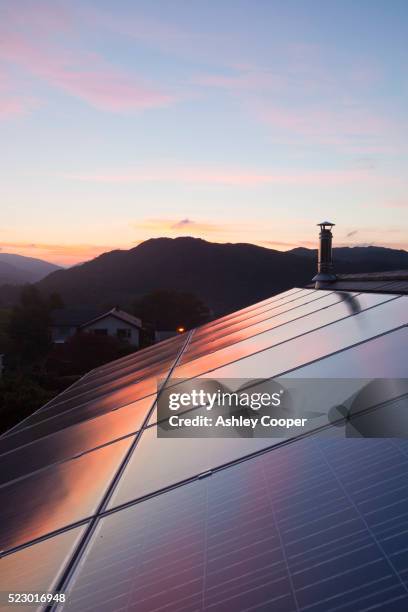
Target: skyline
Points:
(236, 121)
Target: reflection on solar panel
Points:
(94, 504)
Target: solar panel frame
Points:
(36, 568)
(72, 441)
(348, 554)
(57, 496)
(390, 594)
(256, 324)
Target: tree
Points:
(20, 395)
(169, 310)
(29, 328)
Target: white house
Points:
(115, 322)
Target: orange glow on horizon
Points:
(260, 233)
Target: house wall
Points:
(112, 325)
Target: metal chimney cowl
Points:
(325, 269)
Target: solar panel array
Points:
(94, 504)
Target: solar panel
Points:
(58, 422)
(249, 311)
(381, 357)
(117, 386)
(276, 334)
(268, 319)
(59, 495)
(307, 526)
(216, 523)
(147, 362)
(35, 568)
(308, 345)
(139, 366)
(75, 440)
(159, 463)
(127, 394)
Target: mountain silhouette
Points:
(225, 276)
(17, 269)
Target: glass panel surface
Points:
(62, 402)
(312, 522)
(115, 379)
(382, 357)
(58, 422)
(256, 314)
(264, 322)
(248, 313)
(99, 386)
(171, 345)
(37, 567)
(315, 345)
(159, 462)
(258, 344)
(57, 496)
(251, 318)
(248, 309)
(137, 361)
(72, 441)
(104, 403)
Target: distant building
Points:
(115, 322)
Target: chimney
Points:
(325, 269)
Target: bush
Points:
(84, 352)
(19, 397)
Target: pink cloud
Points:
(349, 128)
(172, 226)
(84, 75)
(11, 107)
(13, 104)
(327, 125)
(98, 83)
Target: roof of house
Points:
(118, 314)
(379, 282)
(122, 504)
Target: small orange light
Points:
(181, 330)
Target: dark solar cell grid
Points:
(314, 526)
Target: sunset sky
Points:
(231, 120)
